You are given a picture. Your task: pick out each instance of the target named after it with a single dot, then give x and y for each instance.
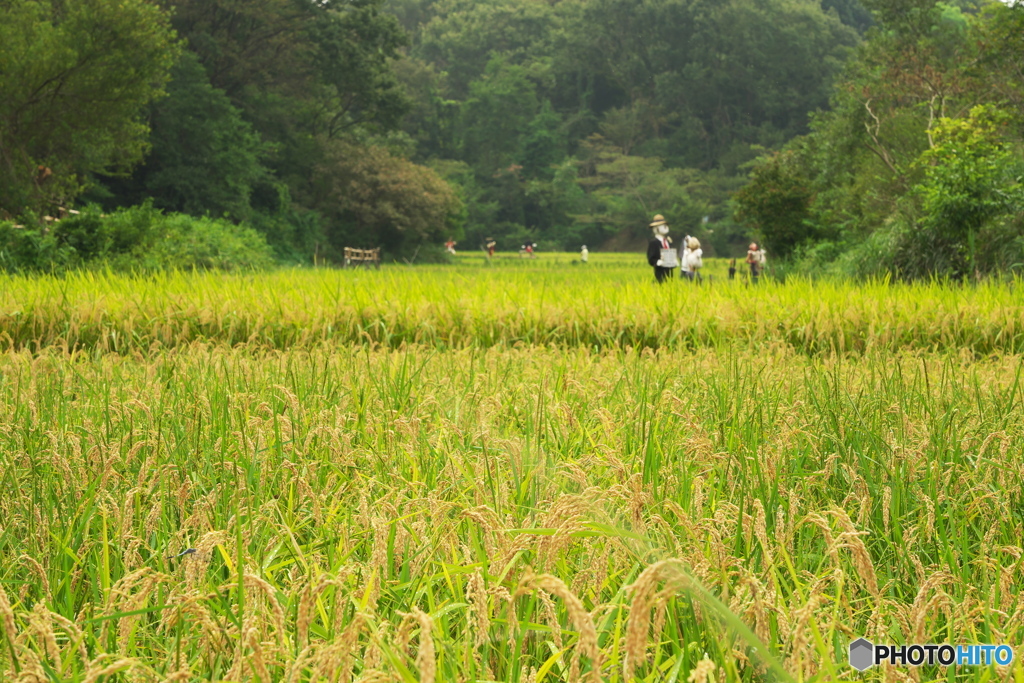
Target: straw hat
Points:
(694, 243)
(658, 220)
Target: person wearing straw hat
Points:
(660, 253)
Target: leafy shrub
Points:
(93, 235)
(970, 200)
(138, 238)
(27, 249)
(203, 243)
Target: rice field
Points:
(516, 472)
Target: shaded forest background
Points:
(851, 137)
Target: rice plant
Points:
(206, 478)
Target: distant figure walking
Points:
(756, 260)
(584, 254)
(693, 259)
(660, 253)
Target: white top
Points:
(691, 257)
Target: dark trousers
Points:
(661, 273)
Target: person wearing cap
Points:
(660, 253)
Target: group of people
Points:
(664, 258)
(661, 255)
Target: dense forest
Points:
(851, 137)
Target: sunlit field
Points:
(505, 471)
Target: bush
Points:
(93, 235)
(24, 249)
(185, 242)
(138, 238)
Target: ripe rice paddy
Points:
(525, 472)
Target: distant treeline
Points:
(401, 123)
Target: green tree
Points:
(372, 197)
(75, 78)
(204, 159)
(354, 44)
(776, 203)
(624, 191)
(971, 180)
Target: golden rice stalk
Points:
(801, 643)
(252, 638)
(97, 671)
(760, 530)
(478, 613)
(512, 619)
(32, 670)
(644, 590)
(75, 633)
(425, 661)
(295, 669)
(578, 616)
(130, 602)
(253, 581)
(197, 563)
(310, 594)
(922, 606)
(704, 672)
(7, 621)
(551, 617)
(861, 558)
(39, 619)
(38, 570)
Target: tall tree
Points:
(204, 157)
(75, 78)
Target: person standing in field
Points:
(660, 254)
(693, 259)
(450, 246)
(584, 254)
(491, 244)
(755, 259)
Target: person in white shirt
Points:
(692, 260)
(584, 254)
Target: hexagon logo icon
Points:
(862, 654)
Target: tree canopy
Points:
(75, 78)
(823, 127)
